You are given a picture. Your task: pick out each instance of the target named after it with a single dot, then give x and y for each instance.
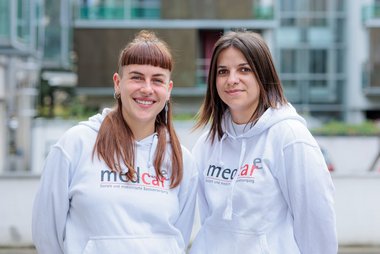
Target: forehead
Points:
(146, 70)
(231, 55)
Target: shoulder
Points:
(292, 131)
(203, 141)
(188, 161)
(76, 140)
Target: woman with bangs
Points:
(121, 182)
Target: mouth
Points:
(144, 102)
(233, 91)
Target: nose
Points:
(233, 78)
(146, 88)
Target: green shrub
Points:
(367, 128)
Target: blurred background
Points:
(57, 59)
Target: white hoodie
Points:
(266, 191)
(83, 207)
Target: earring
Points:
(116, 95)
(166, 112)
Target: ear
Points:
(116, 82)
(170, 87)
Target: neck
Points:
(240, 118)
(141, 131)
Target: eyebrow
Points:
(240, 65)
(141, 74)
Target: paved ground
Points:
(343, 250)
(17, 251)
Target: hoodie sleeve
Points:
(198, 153)
(51, 204)
(308, 188)
(187, 199)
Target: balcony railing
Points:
(263, 12)
(371, 78)
(128, 10)
(371, 12)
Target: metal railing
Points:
(370, 12)
(126, 10)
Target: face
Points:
(237, 85)
(144, 90)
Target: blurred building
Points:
(326, 51)
(21, 48)
(102, 28)
(321, 47)
(34, 48)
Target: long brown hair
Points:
(115, 142)
(259, 58)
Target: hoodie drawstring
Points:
(153, 146)
(219, 160)
(227, 215)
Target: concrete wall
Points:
(3, 117)
(358, 209)
(351, 154)
(16, 199)
(45, 133)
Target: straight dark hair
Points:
(115, 142)
(259, 58)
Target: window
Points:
(318, 5)
(288, 61)
(207, 40)
(340, 60)
(4, 19)
(318, 61)
(23, 21)
(292, 90)
(287, 5)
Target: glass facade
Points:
(58, 34)
(310, 43)
(21, 25)
(119, 9)
(4, 21)
(371, 67)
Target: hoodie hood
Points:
(270, 117)
(148, 143)
(95, 121)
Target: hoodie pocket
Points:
(134, 244)
(212, 240)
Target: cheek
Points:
(219, 87)
(163, 92)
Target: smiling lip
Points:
(233, 91)
(144, 102)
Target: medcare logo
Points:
(144, 179)
(246, 171)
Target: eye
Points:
(158, 81)
(222, 71)
(245, 69)
(137, 78)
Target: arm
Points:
(51, 204)
(198, 154)
(307, 186)
(187, 198)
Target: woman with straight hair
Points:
(121, 182)
(263, 185)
